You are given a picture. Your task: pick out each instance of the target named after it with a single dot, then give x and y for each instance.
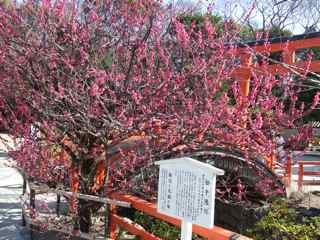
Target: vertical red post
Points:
(289, 170)
(74, 185)
(288, 56)
(300, 178)
(244, 77)
(270, 160)
(112, 225)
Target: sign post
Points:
(187, 191)
(186, 230)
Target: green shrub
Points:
(159, 228)
(285, 223)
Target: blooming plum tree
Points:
(89, 75)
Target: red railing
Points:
(286, 176)
(303, 172)
(216, 233)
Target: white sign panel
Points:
(187, 190)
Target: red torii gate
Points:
(287, 47)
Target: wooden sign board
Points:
(187, 190)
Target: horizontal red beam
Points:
(311, 173)
(299, 67)
(212, 234)
(309, 163)
(311, 182)
(278, 165)
(245, 72)
(132, 228)
(277, 47)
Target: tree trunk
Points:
(84, 211)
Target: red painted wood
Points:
(309, 163)
(311, 173)
(277, 47)
(132, 228)
(300, 177)
(311, 182)
(303, 172)
(215, 233)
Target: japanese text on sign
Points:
(187, 193)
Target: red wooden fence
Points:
(303, 172)
(216, 233)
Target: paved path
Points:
(10, 191)
(10, 208)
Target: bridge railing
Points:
(303, 172)
(150, 209)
